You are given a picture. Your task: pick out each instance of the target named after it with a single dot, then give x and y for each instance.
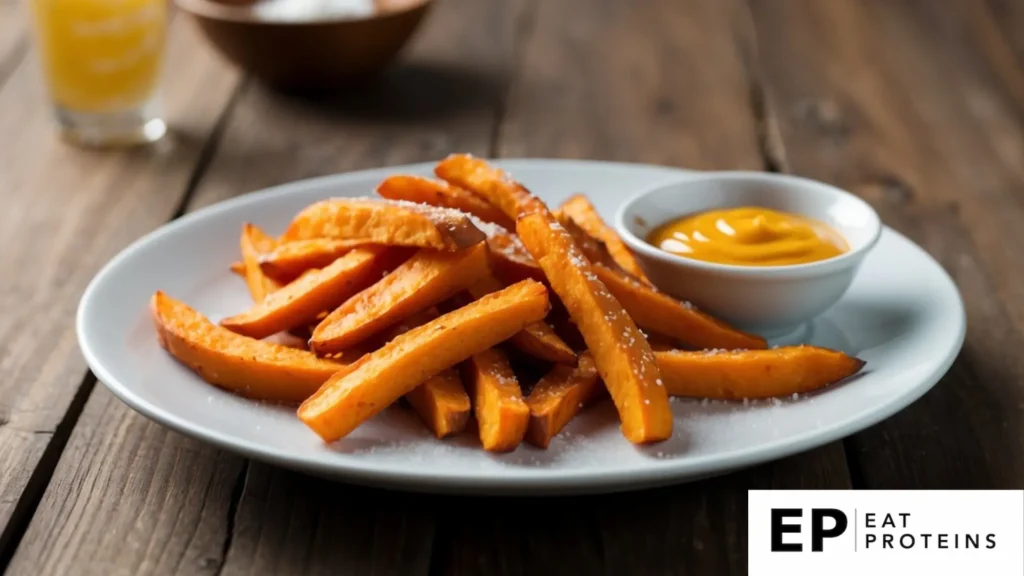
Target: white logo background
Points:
(954, 513)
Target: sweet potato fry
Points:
(583, 213)
(661, 313)
(731, 375)
(541, 341)
(422, 281)
(510, 262)
(381, 377)
(594, 249)
(301, 301)
(442, 403)
(537, 339)
(622, 355)
(558, 397)
(441, 193)
(385, 222)
(255, 244)
(501, 413)
(289, 260)
(252, 368)
(238, 267)
(489, 183)
(304, 331)
(404, 325)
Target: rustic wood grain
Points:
(518, 536)
(901, 103)
(162, 509)
(658, 82)
(997, 31)
(288, 523)
(1008, 16)
(13, 36)
(696, 528)
(67, 211)
(701, 528)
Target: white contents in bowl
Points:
(310, 10)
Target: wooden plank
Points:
(1008, 17)
(288, 523)
(518, 536)
(662, 82)
(861, 93)
(700, 528)
(696, 528)
(67, 211)
(13, 36)
(162, 509)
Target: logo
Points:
(880, 532)
(818, 530)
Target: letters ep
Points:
(782, 525)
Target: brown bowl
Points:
(315, 54)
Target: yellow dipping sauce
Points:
(749, 236)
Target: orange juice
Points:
(101, 56)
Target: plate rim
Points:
(531, 481)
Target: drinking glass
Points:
(102, 61)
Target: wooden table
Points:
(915, 105)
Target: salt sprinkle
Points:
(578, 260)
(435, 212)
(490, 229)
(441, 213)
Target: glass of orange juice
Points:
(102, 61)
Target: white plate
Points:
(903, 315)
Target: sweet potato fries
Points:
(442, 294)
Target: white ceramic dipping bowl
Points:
(768, 300)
